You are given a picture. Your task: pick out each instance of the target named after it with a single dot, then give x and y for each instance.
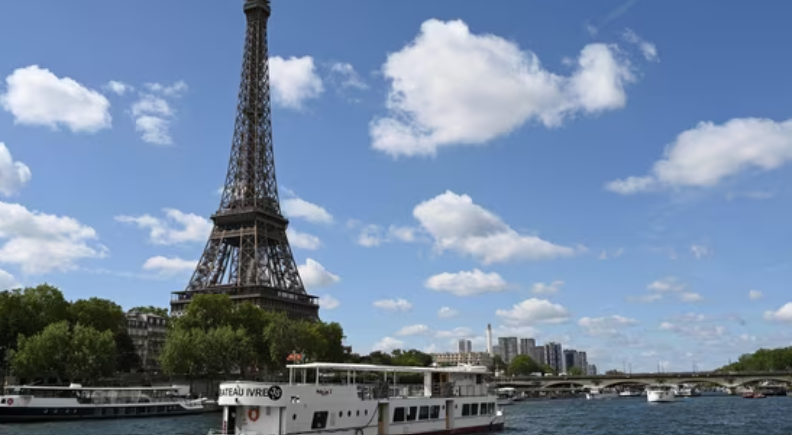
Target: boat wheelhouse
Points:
(34, 403)
(366, 400)
(660, 393)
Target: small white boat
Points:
(660, 394)
(685, 390)
(630, 393)
(505, 396)
(601, 393)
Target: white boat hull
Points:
(505, 402)
(660, 396)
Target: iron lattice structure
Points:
(248, 255)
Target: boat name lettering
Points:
(324, 391)
(244, 392)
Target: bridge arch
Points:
(741, 382)
(564, 382)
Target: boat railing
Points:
(388, 391)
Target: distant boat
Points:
(660, 394)
(604, 393)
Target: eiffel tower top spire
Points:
(248, 256)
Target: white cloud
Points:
(37, 97)
(118, 88)
(604, 255)
(346, 76)
(177, 227)
(648, 49)
(666, 285)
(608, 326)
(533, 311)
(41, 243)
(452, 87)
(314, 275)
(302, 209)
(328, 302)
(387, 344)
(13, 174)
(373, 235)
(153, 113)
(705, 333)
(172, 266)
(303, 240)
(294, 81)
(447, 313)
(690, 297)
(457, 224)
(541, 288)
(783, 314)
(413, 330)
(466, 283)
(754, 295)
(7, 281)
(699, 251)
(646, 298)
(707, 154)
(456, 333)
(399, 305)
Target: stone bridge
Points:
(730, 380)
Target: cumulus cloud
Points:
(345, 75)
(456, 223)
(783, 314)
(447, 313)
(388, 344)
(175, 228)
(303, 240)
(472, 88)
(648, 49)
(328, 302)
(298, 208)
(466, 283)
(118, 88)
(707, 154)
(607, 326)
(153, 112)
(37, 97)
(40, 243)
(13, 174)
(169, 266)
(533, 311)
(314, 275)
(398, 305)
(294, 81)
(374, 235)
(7, 281)
(413, 330)
(541, 288)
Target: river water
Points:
(705, 415)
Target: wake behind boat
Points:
(45, 403)
(451, 400)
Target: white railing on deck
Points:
(388, 391)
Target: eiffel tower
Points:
(248, 255)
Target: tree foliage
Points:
(215, 337)
(66, 353)
(575, 371)
(763, 360)
(523, 365)
(149, 309)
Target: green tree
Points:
(523, 365)
(412, 357)
(206, 312)
(150, 309)
(224, 350)
(28, 311)
(575, 371)
(99, 314)
(763, 360)
(91, 353)
(43, 354)
(184, 353)
(127, 358)
(498, 364)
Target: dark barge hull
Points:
(24, 414)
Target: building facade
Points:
(508, 348)
(554, 356)
(526, 344)
(148, 336)
(465, 346)
(453, 359)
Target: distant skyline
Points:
(611, 176)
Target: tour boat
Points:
(505, 396)
(368, 401)
(687, 391)
(660, 394)
(630, 393)
(604, 393)
(46, 403)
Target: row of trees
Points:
(216, 337)
(763, 360)
(44, 335)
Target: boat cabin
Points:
(363, 399)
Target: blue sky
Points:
(610, 175)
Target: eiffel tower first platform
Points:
(248, 256)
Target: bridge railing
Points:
(540, 379)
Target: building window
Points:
(319, 420)
(398, 415)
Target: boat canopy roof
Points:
(381, 368)
(81, 388)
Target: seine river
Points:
(706, 415)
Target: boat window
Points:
(423, 413)
(358, 413)
(340, 414)
(349, 413)
(398, 415)
(435, 412)
(492, 408)
(474, 409)
(2, 400)
(319, 420)
(412, 413)
(484, 409)
(465, 409)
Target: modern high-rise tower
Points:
(490, 351)
(248, 255)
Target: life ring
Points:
(10, 402)
(253, 414)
